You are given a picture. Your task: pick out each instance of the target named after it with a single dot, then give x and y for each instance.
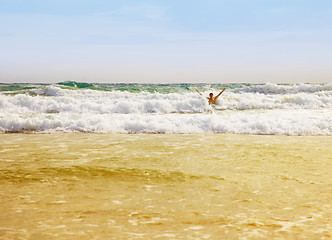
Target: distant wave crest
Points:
(272, 88)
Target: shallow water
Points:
(171, 186)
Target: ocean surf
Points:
(300, 109)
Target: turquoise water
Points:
(129, 87)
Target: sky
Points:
(166, 41)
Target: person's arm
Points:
(220, 93)
(199, 92)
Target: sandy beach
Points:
(165, 186)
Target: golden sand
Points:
(198, 186)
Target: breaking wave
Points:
(301, 109)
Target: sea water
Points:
(79, 174)
(165, 186)
(279, 109)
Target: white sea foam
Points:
(55, 100)
(267, 109)
(285, 122)
(272, 88)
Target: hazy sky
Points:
(166, 41)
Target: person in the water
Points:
(211, 98)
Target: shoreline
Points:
(153, 133)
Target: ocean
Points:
(156, 161)
(277, 109)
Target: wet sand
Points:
(197, 186)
